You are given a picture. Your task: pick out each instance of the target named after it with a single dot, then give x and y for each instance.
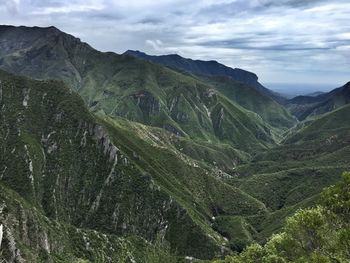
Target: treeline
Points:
(315, 235)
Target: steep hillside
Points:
(59, 169)
(304, 107)
(63, 168)
(208, 68)
(133, 88)
(250, 98)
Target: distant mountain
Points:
(316, 93)
(211, 68)
(208, 68)
(307, 106)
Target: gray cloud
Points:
(10, 6)
(280, 40)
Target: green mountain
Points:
(121, 85)
(304, 107)
(208, 68)
(63, 167)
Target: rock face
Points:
(1, 234)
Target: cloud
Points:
(11, 6)
(53, 7)
(155, 44)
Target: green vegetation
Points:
(151, 164)
(317, 234)
(125, 179)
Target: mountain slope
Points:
(132, 88)
(304, 107)
(108, 175)
(208, 68)
(250, 98)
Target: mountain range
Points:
(138, 158)
(207, 68)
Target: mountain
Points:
(112, 158)
(122, 85)
(70, 176)
(304, 107)
(208, 68)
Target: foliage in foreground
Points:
(316, 235)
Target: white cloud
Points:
(69, 8)
(155, 44)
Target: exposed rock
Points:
(1, 234)
(25, 97)
(148, 104)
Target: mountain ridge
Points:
(208, 68)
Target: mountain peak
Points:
(129, 51)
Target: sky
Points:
(282, 41)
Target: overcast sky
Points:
(285, 41)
